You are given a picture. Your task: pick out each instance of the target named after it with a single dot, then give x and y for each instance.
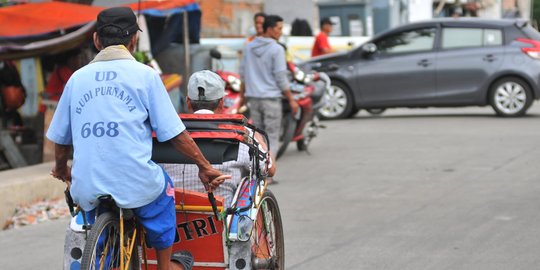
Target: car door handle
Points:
(489, 58)
(424, 63)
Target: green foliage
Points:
(536, 13)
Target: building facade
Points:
(228, 18)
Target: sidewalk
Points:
(27, 185)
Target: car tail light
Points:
(533, 51)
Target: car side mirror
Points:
(214, 53)
(369, 48)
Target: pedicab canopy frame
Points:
(35, 29)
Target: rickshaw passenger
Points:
(205, 96)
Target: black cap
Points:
(119, 17)
(326, 20)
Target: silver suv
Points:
(438, 63)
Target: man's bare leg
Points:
(164, 260)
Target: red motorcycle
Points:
(308, 90)
(232, 87)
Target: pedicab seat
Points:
(217, 135)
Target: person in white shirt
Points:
(205, 96)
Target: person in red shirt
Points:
(67, 64)
(322, 46)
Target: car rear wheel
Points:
(339, 102)
(510, 97)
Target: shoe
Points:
(184, 258)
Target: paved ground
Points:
(412, 189)
(35, 247)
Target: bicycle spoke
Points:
(103, 248)
(267, 240)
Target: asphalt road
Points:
(411, 189)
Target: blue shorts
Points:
(159, 217)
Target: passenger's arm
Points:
(61, 169)
(210, 177)
(242, 95)
(243, 81)
(272, 168)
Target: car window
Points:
(493, 37)
(461, 38)
(408, 41)
(470, 37)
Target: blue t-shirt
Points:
(108, 111)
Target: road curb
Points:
(26, 185)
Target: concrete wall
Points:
(420, 10)
(292, 9)
(27, 185)
(226, 18)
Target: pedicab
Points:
(246, 235)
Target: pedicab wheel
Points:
(268, 246)
(102, 248)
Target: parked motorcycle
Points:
(309, 91)
(231, 100)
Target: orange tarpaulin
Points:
(47, 17)
(50, 27)
(42, 18)
(161, 5)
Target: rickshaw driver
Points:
(107, 113)
(205, 96)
